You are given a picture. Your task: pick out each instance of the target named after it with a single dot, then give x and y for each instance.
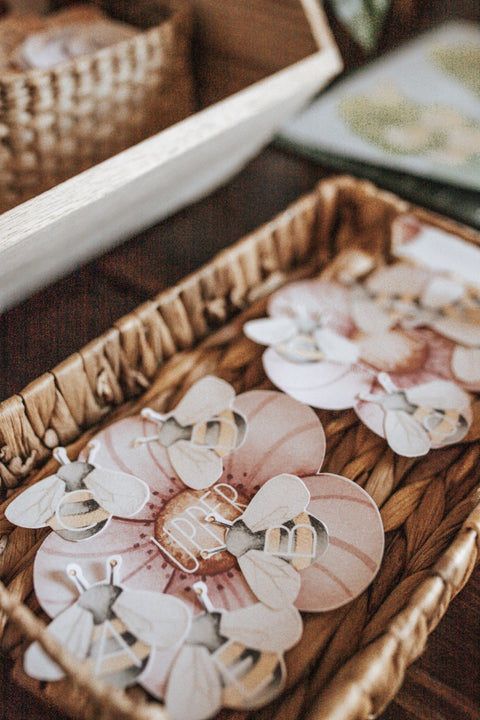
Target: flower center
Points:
(182, 532)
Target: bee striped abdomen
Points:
(441, 424)
(222, 434)
(78, 516)
(117, 655)
(297, 540)
(250, 677)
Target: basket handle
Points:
(318, 24)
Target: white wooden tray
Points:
(259, 61)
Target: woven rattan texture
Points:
(55, 123)
(350, 661)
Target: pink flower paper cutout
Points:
(311, 355)
(418, 298)
(162, 546)
(114, 628)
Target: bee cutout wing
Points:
(273, 580)
(262, 628)
(35, 505)
(208, 397)
(197, 466)
(270, 331)
(121, 494)
(73, 629)
(441, 291)
(464, 330)
(279, 500)
(336, 347)
(194, 689)
(405, 435)
(466, 364)
(367, 315)
(438, 394)
(158, 620)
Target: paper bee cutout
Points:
(115, 629)
(274, 539)
(414, 297)
(231, 659)
(199, 432)
(302, 337)
(416, 419)
(78, 501)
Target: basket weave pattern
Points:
(57, 122)
(350, 661)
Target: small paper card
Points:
(416, 110)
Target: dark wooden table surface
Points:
(444, 684)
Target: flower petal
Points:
(466, 366)
(142, 563)
(356, 542)
(284, 436)
(333, 386)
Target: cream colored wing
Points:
(35, 505)
(208, 397)
(466, 364)
(336, 347)
(270, 331)
(157, 619)
(279, 500)
(439, 395)
(73, 629)
(123, 495)
(194, 689)
(272, 580)
(405, 435)
(196, 466)
(262, 628)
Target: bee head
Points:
(205, 630)
(169, 431)
(239, 539)
(74, 473)
(98, 600)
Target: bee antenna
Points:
(369, 397)
(150, 414)
(201, 591)
(206, 554)
(93, 448)
(386, 382)
(60, 455)
(144, 440)
(113, 569)
(214, 517)
(74, 572)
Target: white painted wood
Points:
(82, 217)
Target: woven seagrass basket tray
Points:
(351, 661)
(58, 121)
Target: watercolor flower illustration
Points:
(400, 126)
(326, 342)
(416, 297)
(167, 546)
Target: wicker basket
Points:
(56, 122)
(351, 661)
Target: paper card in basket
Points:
(78, 500)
